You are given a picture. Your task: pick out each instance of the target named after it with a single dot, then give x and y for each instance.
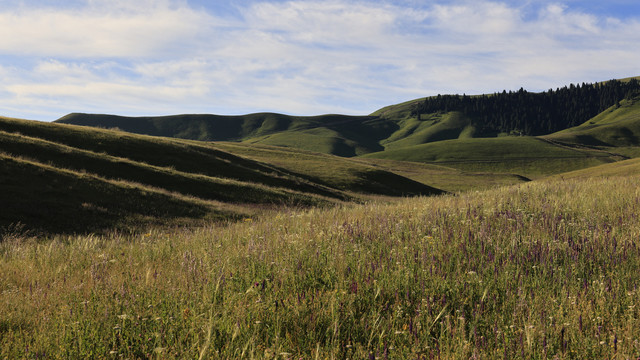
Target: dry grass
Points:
(540, 270)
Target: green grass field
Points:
(618, 126)
(526, 156)
(629, 167)
(115, 245)
(446, 178)
(104, 166)
(333, 171)
(541, 270)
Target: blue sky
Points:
(157, 57)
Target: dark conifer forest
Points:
(529, 113)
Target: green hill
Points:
(59, 177)
(332, 134)
(629, 167)
(332, 171)
(618, 126)
(415, 122)
(474, 134)
(526, 156)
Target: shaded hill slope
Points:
(334, 172)
(127, 176)
(39, 198)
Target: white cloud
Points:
(304, 57)
(101, 29)
(333, 23)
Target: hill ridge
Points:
(44, 162)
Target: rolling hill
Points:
(211, 166)
(526, 156)
(64, 178)
(618, 126)
(629, 167)
(465, 132)
(331, 134)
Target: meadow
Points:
(545, 269)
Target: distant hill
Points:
(331, 134)
(617, 126)
(420, 121)
(64, 178)
(528, 113)
(525, 156)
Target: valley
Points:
(399, 234)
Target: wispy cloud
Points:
(109, 29)
(303, 57)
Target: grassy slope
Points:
(541, 270)
(629, 167)
(430, 128)
(335, 134)
(332, 171)
(526, 156)
(444, 177)
(617, 126)
(180, 169)
(43, 198)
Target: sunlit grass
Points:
(539, 270)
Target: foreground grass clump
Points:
(540, 270)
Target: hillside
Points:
(618, 126)
(331, 134)
(623, 168)
(547, 269)
(597, 123)
(526, 156)
(68, 178)
(442, 117)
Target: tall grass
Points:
(540, 270)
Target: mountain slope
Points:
(526, 156)
(333, 134)
(127, 177)
(629, 167)
(617, 126)
(420, 121)
(46, 199)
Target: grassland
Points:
(618, 126)
(341, 135)
(526, 156)
(538, 270)
(248, 250)
(629, 167)
(444, 177)
(441, 137)
(131, 180)
(335, 172)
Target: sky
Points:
(301, 57)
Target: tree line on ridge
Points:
(527, 113)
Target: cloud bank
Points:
(302, 57)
